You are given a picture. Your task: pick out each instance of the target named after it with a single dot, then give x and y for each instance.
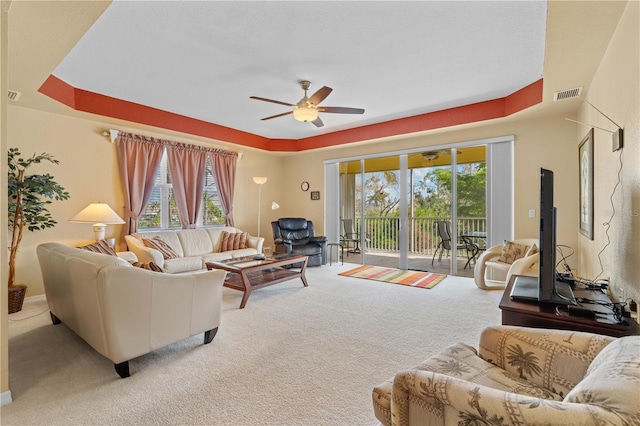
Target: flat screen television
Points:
(545, 288)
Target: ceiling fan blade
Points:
(277, 115)
(318, 122)
(271, 100)
(341, 110)
(320, 95)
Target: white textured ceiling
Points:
(203, 59)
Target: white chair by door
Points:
(496, 265)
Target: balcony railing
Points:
(383, 232)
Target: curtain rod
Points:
(112, 134)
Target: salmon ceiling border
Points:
(83, 100)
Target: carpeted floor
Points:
(293, 356)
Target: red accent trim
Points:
(95, 103)
(524, 98)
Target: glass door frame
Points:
(502, 168)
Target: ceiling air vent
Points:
(13, 96)
(567, 94)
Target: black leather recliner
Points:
(297, 235)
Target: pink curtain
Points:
(224, 166)
(138, 159)
(188, 166)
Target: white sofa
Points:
(123, 311)
(194, 247)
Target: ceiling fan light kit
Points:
(306, 109)
(305, 113)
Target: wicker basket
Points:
(16, 297)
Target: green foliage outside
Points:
(431, 199)
(211, 215)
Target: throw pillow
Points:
(164, 248)
(233, 240)
(100, 247)
(532, 250)
(149, 266)
(512, 251)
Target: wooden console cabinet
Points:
(543, 315)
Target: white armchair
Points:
(492, 274)
(519, 376)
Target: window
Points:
(162, 213)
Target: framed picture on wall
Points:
(315, 195)
(585, 164)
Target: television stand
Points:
(544, 315)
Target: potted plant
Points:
(28, 196)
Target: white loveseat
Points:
(123, 311)
(194, 248)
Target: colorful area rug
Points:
(395, 276)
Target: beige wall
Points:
(615, 91)
(544, 142)
(88, 171)
(4, 259)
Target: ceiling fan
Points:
(434, 155)
(307, 108)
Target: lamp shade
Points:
(98, 212)
(100, 215)
(260, 180)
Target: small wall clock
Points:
(304, 186)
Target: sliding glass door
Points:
(389, 207)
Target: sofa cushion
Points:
(233, 241)
(183, 264)
(195, 242)
(218, 257)
(169, 237)
(100, 247)
(613, 379)
(512, 251)
(164, 248)
(148, 266)
(243, 252)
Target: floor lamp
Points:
(260, 181)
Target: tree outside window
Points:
(162, 213)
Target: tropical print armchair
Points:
(519, 376)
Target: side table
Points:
(543, 315)
(339, 252)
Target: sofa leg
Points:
(54, 319)
(209, 335)
(122, 369)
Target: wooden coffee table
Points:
(247, 274)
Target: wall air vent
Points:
(13, 96)
(567, 94)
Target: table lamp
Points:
(100, 215)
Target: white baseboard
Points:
(36, 298)
(5, 398)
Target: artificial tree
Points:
(28, 196)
